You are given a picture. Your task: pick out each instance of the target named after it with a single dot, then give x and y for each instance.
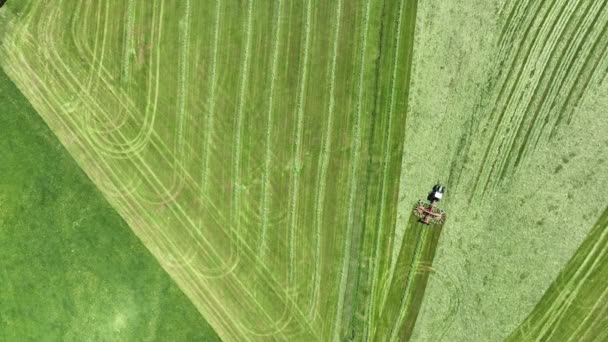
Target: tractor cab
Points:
(437, 194)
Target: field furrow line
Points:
(584, 77)
(595, 318)
(268, 133)
(354, 167)
(128, 46)
(211, 98)
(541, 49)
(411, 273)
(557, 81)
(542, 55)
(234, 258)
(327, 136)
(386, 156)
(515, 83)
(66, 71)
(236, 161)
(297, 166)
(95, 47)
(326, 151)
(512, 24)
(570, 296)
(104, 37)
(511, 60)
(135, 145)
(563, 299)
(598, 318)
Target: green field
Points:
(269, 153)
(70, 268)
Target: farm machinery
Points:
(427, 212)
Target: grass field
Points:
(70, 268)
(268, 153)
(208, 125)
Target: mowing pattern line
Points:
(197, 157)
(560, 51)
(573, 306)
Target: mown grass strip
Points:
(575, 304)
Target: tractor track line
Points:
(326, 144)
(128, 46)
(546, 60)
(543, 35)
(93, 159)
(141, 140)
(549, 89)
(499, 98)
(595, 318)
(185, 216)
(578, 79)
(411, 273)
(372, 138)
(356, 152)
(560, 300)
(211, 97)
(513, 82)
(66, 71)
(234, 258)
(558, 315)
(143, 137)
(322, 171)
(297, 165)
(385, 162)
(268, 133)
(236, 161)
(602, 58)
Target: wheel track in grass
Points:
(261, 245)
(129, 45)
(180, 159)
(550, 43)
(356, 144)
(147, 122)
(43, 98)
(236, 159)
(552, 92)
(412, 271)
(495, 147)
(295, 175)
(66, 71)
(85, 52)
(512, 60)
(575, 282)
(513, 98)
(325, 153)
(101, 110)
(211, 96)
(590, 258)
(603, 315)
(563, 83)
(135, 145)
(371, 305)
(181, 168)
(178, 216)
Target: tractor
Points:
(427, 212)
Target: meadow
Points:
(269, 153)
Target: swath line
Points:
(269, 123)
